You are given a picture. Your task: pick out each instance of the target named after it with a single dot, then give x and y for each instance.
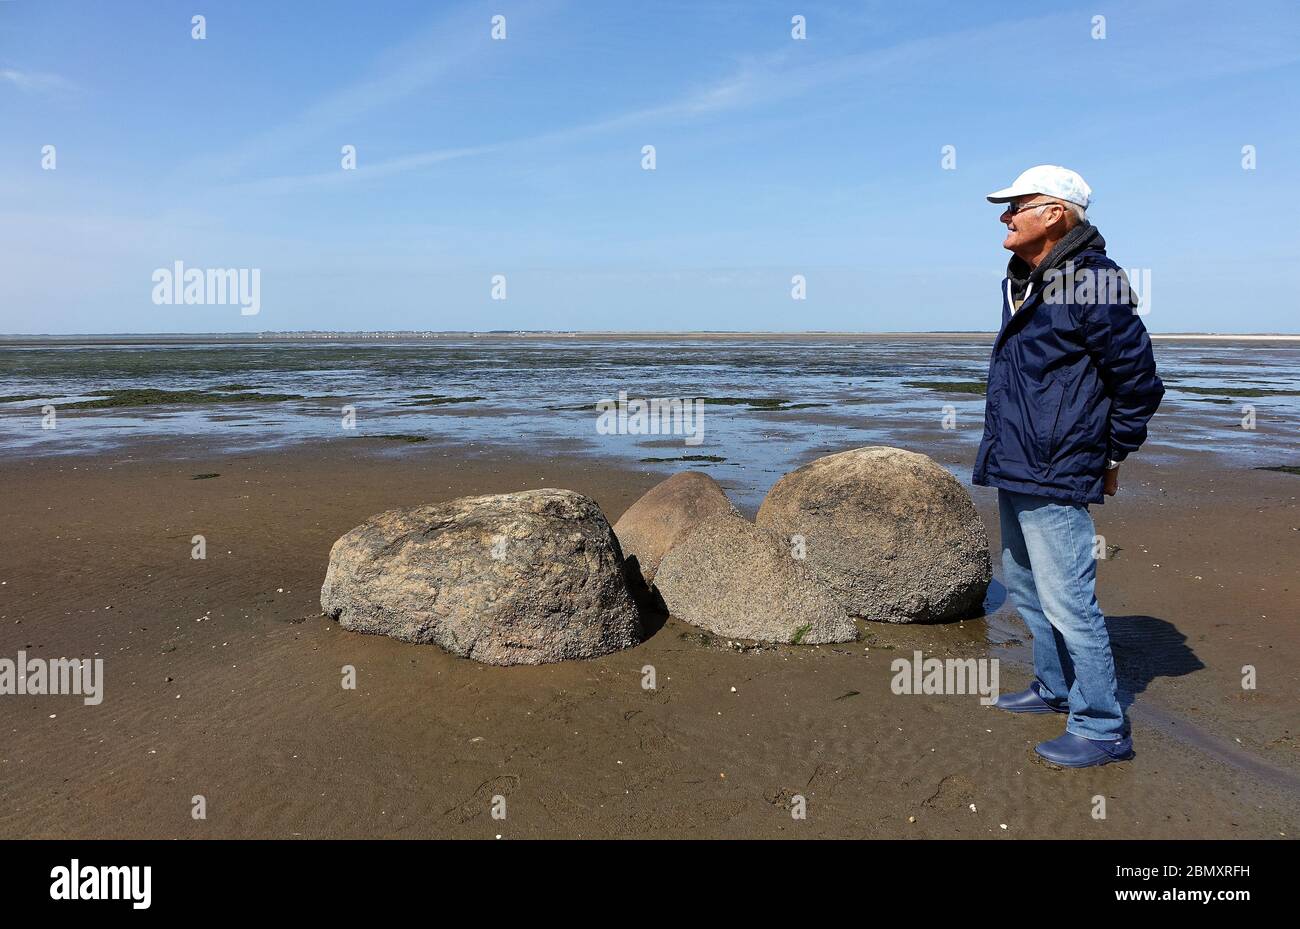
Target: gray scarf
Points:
(1083, 237)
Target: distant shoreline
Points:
(394, 336)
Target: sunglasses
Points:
(1013, 208)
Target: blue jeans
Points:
(1050, 574)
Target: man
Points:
(1072, 384)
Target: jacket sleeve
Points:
(1121, 349)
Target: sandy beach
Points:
(222, 679)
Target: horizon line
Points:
(303, 334)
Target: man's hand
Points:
(1112, 482)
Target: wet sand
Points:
(222, 679)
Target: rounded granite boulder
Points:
(890, 532)
(733, 579)
(521, 578)
(665, 513)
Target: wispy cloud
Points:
(724, 95)
(433, 55)
(35, 82)
(759, 80)
(448, 47)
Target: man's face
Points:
(1028, 228)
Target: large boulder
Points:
(892, 533)
(734, 579)
(666, 512)
(522, 578)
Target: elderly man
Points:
(1072, 384)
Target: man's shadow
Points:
(1144, 647)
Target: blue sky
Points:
(522, 157)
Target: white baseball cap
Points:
(1050, 180)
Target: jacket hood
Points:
(1082, 238)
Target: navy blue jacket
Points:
(1071, 384)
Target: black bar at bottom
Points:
(214, 878)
